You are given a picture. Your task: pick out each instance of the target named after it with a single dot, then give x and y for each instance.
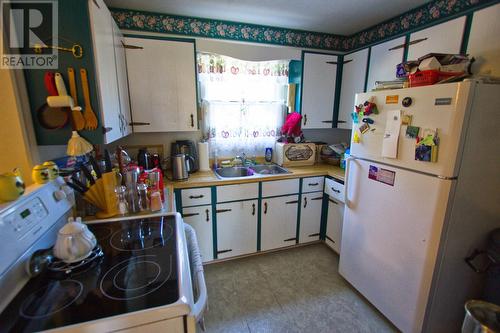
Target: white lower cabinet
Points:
(278, 222)
(200, 218)
(310, 217)
(236, 228)
(334, 224)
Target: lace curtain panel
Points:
(243, 103)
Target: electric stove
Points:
(137, 270)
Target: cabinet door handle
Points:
(333, 201)
(347, 61)
(139, 123)
(189, 215)
(332, 62)
(265, 207)
(318, 198)
(341, 121)
(253, 209)
(313, 184)
(416, 41)
(132, 47)
(313, 235)
(207, 212)
(223, 210)
(305, 202)
(331, 240)
(335, 190)
(196, 196)
(224, 251)
(292, 202)
(290, 239)
(192, 120)
(305, 119)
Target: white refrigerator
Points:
(410, 221)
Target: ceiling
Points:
(342, 17)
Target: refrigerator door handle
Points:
(346, 180)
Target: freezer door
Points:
(390, 238)
(447, 117)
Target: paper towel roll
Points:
(203, 156)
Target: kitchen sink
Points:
(269, 169)
(252, 171)
(234, 172)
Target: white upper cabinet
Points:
(353, 81)
(106, 71)
(122, 81)
(484, 41)
(383, 60)
(442, 38)
(162, 83)
(318, 90)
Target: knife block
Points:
(102, 195)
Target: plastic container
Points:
(423, 78)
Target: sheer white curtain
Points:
(243, 103)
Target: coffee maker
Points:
(188, 148)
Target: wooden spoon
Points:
(77, 115)
(88, 113)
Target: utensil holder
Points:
(102, 195)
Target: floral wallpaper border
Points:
(432, 12)
(208, 28)
(427, 14)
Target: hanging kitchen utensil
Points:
(51, 117)
(77, 117)
(90, 117)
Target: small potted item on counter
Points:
(40, 174)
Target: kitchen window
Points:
(243, 103)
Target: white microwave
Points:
(294, 154)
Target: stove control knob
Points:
(407, 101)
(59, 195)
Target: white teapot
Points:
(74, 242)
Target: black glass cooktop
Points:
(137, 271)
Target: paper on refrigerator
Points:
(391, 134)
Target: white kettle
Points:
(74, 242)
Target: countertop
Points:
(208, 178)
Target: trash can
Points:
(481, 317)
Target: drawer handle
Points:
(139, 123)
(347, 61)
(223, 210)
(265, 207)
(313, 184)
(335, 190)
(253, 209)
(292, 202)
(332, 62)
(341, 121)
(189, 215)
(305, 202)
(314, 235)
(192, 120)
(327, 121)
(331, 240)
(224, 251)
(207, 212)
(333, 201)
(290, 239)
(305, 119)
(196, 196)
(318, 198)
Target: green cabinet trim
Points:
(297, 232)
(465, 37)
(367, 68)
(259, 218)
(214, 219)
(324, 217)
(338, 87)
